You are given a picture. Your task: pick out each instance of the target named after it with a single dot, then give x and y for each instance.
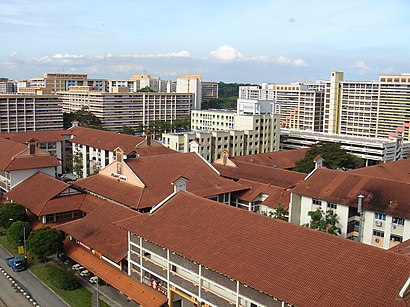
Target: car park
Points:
(79, 268)
(76, 266)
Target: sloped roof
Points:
(276, 195)
(107, 140)
(43, 136)
(112, 189)
(380, 195)
(97, 230)
(403, 248)
(395, 170)
(11, 161)
(137, 291)
(260, 173)
(295, 264)
(285, 159)
(158, 172)
(39, 192)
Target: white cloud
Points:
(226, 53)
(13, 54)
(285, 60)
(67, 56)
(362, 65)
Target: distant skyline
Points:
(232, 41)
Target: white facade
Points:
(379, 229)
(191, 84)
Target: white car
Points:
(84, 273)
(75, 266)
(79, 268)
(93, 279)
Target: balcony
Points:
(183, 283)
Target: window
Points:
(378, 233)
(331, 205)
(398, 220)
(316, 202)
(380, 216)
(396, 238)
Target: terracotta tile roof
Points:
(285, 159)
(140, 293)
(9, 161)
(395, 170)
(380, 195)
(295, 264)
(34, 192)
(105, 139)
(39, 194)
(260, 173)
(154, 151)
(43, 136)
(402, 248)
(276, 195)
(157, 173)
(112, 189)
(97, 230)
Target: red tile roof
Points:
(110, 140)
(295, 264)
(11, 160)
(395, 170)
(276, 195)
(43, 136)
(39, 194)
(402, 248)
(157, 173)
(260, 173)
(112, 189)
(380, 195)
(285, 159)
(138, 292)
(97, 230)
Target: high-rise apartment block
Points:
(121, 107)
(30, 112)
(300, 104)
(191, 84)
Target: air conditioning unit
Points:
(377, 240)
(379, 223)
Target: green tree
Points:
(16, 232)
(11, 212)
(280, 213)
(146, 89)
(45, 242)
(182, 124)
(78, 163)
(127, 130)
(84, 117)
(62, 278)
(159, 126)
(324, 222)
(333, 155)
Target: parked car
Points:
(93, 279)
(84, 273)
(17, 264)
(80, 268)
(75, 266)
(68, 261)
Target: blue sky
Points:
(232, 41)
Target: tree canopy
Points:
(45, 242)
(281, 213)
(84, 117)
(324, 222)
(16, 232)
(228, 93)
(333, 155)
(127, 130)
(10, 213)
(146, 89)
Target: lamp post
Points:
(98, 300)
(360, 211)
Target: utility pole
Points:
(98, 300)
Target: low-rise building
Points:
(227, 262)
(372, 150)
(19, 162)
(383, 219)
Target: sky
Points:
(276, 41)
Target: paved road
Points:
(9, 296)
(43, 295)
